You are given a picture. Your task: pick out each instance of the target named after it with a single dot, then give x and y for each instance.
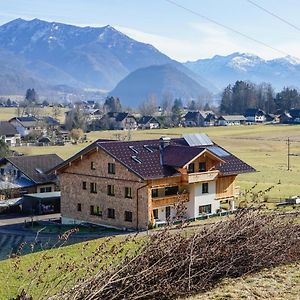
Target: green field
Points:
(7, 113)
(262, 146)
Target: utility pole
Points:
(288, 153)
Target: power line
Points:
(273, 14)
(227, 27)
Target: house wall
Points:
(225, 187)
(72, 193)
(21, 130)
(197, 198)
(12, 141)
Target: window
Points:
(111, 190)
(93, 187)
(128, 192)
(84, 185)
(168, 212)
(2, 171)
(128, 216)
(191, 168)
(111, 213)
(78, 206)
(93, 166)
(154, 193)
(155, 214)
(205, 209)
(46, 189)
(95, 211)
(202, 166)
(111, 168)
(171, 190)
(204, 188)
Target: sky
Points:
(180, 34)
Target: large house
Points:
(199, 118)
(9, 134)
(134, 184)
(255, 115)
(21, 175)
(229, 120)
(148, 122)
(26, 125)
(119, 121)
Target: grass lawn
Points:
(58, 267)
(277, 284)
(7, 113)
(262, 146)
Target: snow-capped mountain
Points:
(222, 70)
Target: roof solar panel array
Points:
(218, 151)
(198, 139)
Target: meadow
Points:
(262, 146)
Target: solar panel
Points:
(218, 151)
(198, 139)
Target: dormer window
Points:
(93, 166)
(202, 167)
(191, 168)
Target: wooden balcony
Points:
(202, 176)
(169, 200)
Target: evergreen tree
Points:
(112, 104)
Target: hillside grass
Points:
(277, 284)
(262, 146)
(7, 113)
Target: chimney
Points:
(163, 143)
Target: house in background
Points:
(148, 122)
(229, 120)
(255, 115)
(26, 125)
(210, 120)
(9, 134)
(198, 118)
(119, 121)
(295, 114)
(136, 184)
(21, 175)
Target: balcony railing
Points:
(169, 200)
(202, 176)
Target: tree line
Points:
(237, 98)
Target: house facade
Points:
(119, 121)
(26, 125)
(136, 184)
(9, 134)
(21, 175)
(199, 118)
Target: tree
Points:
(288, 98)
(76, 118)
(149, 106)
(31, 95)
(192, 105)
(206, 107)
(45, 103)
(166, 103)
(76, 134)
(8, 102)
(4, 149)
(177, 111)
(56, 112)
(112, 104)
(226, 101)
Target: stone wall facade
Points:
(76, 200)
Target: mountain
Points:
(158, 81)
(83, 57)
(222, 70)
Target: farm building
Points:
(228, 120)
(9, 134)
(255, 115)
(134, 184)
(148, 122)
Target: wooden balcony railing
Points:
(169, 200)
(202, 176)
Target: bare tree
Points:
(149, 106)
(167, 102)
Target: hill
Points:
(223, 70)
(158, 81)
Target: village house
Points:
(255, 115)
(148, 122)
(136, 184)
(27, 125)
(229, 120)
(9, 134)
(199, 118)
(119, 121)
(21, 175)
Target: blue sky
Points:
(172, 30)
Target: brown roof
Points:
(35, 167)
(143, 157)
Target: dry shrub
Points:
(179, 263)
